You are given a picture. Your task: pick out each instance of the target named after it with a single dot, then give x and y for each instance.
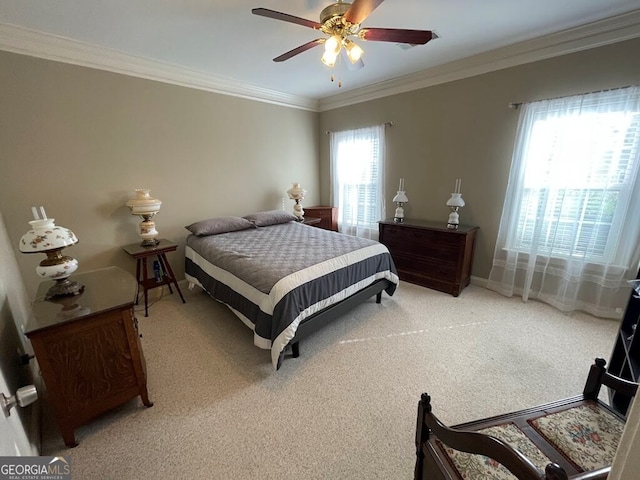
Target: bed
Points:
(284, 279)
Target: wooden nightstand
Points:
(311, 220)
(141, 254)
(328, 217)
(88, 348)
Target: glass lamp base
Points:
(64, 287)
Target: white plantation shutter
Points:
(571, 209)
(357, 165)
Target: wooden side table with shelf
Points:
(88, 348)
(141, 254)
(427, 253)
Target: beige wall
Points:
(464, 129)
(78, 140)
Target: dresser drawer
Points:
(427, 267)
(320, 211)
(423, 243)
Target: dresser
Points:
(328, 217)
(88, 348)
(429, 254)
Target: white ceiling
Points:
(221, 40)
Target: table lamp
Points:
(47, 237)
(455, 203)
(297, 193)
(145, 207)
(400, 199)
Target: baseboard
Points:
(479, 281)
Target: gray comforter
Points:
(274, 277)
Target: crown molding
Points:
(52, 47)
(604, 32)
(60, 49)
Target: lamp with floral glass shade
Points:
(48, 238)
(297, 193)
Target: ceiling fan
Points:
(341, 21)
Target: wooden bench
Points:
(575, 438)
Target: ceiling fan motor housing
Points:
(334, 10)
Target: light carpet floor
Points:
(346, 409)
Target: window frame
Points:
(624, 168)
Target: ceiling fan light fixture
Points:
(332, 45)
(329, 58)
(341, 20)
(354, 51)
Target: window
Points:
(570, 221)
(579, 170)
(357, 165)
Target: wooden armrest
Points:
(599, 376)
(620, 385)
(481, 444)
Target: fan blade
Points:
(361, 9)
(412, 37)
(300, 49)
(285, 17)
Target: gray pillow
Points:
(217, 225)
(272, 217)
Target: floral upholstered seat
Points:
(575, 438)
(587, 436)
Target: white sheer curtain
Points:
(357, 179)
(570, 226)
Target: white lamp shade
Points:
(354, 51)
(296, 192)
(401, 197)
(45, 236)
(332, 45)
(455, 200)
(143, 204)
